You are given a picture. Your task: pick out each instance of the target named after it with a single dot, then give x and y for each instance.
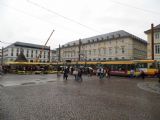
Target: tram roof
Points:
(117, 62)
(144, 61)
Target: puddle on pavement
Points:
(28, 83)
(51, 81)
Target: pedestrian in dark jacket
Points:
(80, 74)
(142, 74)
(158, 75)
(65, 74)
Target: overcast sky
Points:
(32, 21)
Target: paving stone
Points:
(150, 86)
(92, 99)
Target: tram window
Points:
(129, 67)
(118, 67)
(122, 67)
(150, 66)
(114, 67)
(141, 65)
(158, 65)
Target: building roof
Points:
(156, 28)
(29, 45)
(107, 36)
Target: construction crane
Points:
(37, 58)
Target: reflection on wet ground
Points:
(46, 97)
(13, 80)
(150, 86)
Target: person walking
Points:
(88, 71)
(158, 75)
(75, 73)
(79, 74)
(101, 73)
(98, 72)
(91, 72)
(142, 74)
(65, 74)
(1, 70)
(108, 73)
(132, 73)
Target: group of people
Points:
(4, 69)
(77, 72)
(102, 72)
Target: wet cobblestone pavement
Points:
(47, 97)
(150, 86)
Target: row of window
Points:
(157, 49)
(101, 59)
(21, 49)
(101, 44)
(99, 51)
(139, 52)
(97, 44)
(28, 53)
(157, 36)
(42, 61)
(116, 58)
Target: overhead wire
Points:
(138, 8)
(72, 20)
(25, 13)
(18, 10)
(62, 16)
(35, 17)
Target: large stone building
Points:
(30, 51)
(117, 45)
(156, 43)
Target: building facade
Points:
(53, 56)
(119, 45)
(30, 51)
(156, 43)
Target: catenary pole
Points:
(152, 41)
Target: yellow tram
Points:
(122, 68)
